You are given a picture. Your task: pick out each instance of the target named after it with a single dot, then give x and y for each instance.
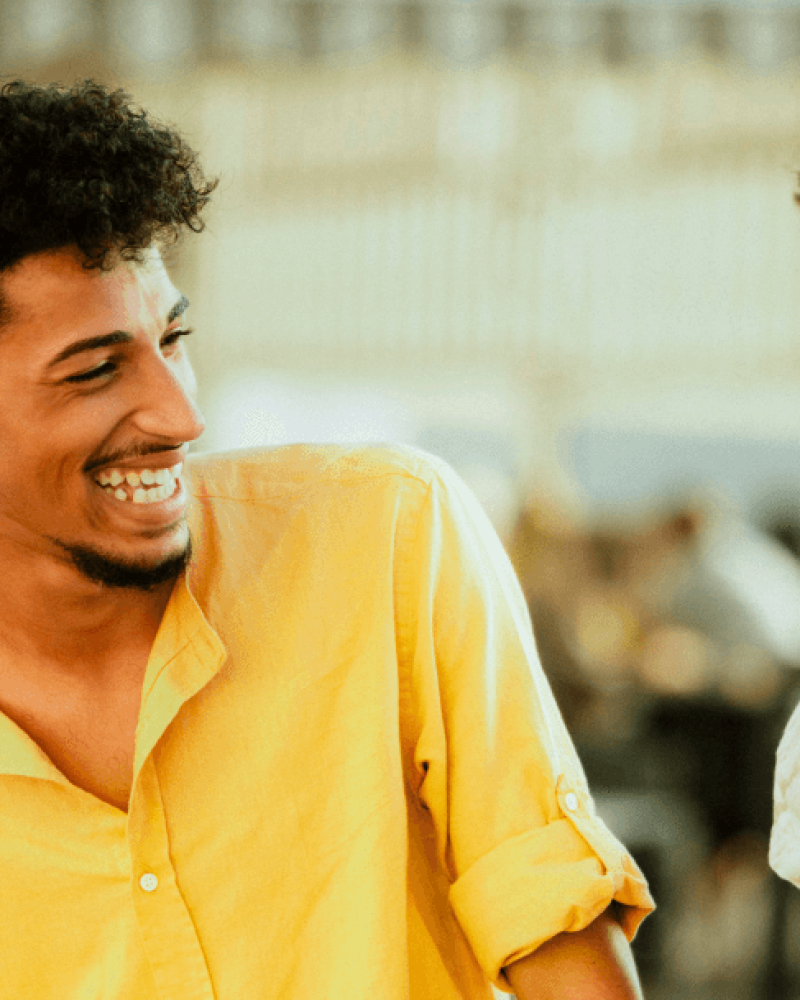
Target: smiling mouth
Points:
(141, 487)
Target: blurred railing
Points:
(765, 34)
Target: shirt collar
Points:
(186, 654)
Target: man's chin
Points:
(112, 571)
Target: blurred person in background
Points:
(784, 846)
(272, 723)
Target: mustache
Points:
(138, 451)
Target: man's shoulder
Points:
(258, 473)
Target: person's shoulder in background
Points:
(784, 847)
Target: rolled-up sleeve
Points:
(515, 826)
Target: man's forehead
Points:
(55, 287)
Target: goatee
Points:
(111, 572)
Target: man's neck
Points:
(54, 619)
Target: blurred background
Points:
(554, 243)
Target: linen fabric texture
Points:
(351, 779)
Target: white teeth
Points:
(165, 478)
(156, 494)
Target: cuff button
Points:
(571, 801)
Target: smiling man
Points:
(272, 723)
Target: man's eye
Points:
(174, 336)
(106, 368)
(109, 367)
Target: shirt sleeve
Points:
(515, 826)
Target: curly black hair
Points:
(81, 167)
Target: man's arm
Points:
(593, 964)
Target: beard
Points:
(112, 572)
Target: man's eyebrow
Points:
(90, 344)
(110, 339)
(178, 309)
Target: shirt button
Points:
(571, 801)
(148, 882)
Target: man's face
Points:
(72, 413)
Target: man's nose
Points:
(167, 407)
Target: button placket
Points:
(168, 933)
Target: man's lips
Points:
(155, 460)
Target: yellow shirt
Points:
(351, 780)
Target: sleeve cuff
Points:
(545, 881)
